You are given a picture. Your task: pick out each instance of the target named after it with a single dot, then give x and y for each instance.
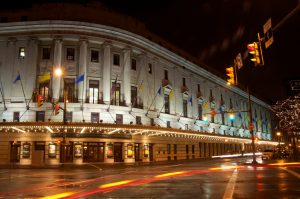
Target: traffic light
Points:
(254, 50)
(231, 116)
(213, 112)
(40, 100)
(56, 109)
(230, 74)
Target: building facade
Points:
(120, 97)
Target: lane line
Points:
(231, 185)
(292, 172)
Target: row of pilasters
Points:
(207, 150)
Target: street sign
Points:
(295, 85)
(268, 33)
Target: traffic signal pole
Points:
(251, 127)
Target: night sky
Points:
(216, 31)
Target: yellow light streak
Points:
(115, 184)
(57, 196)
(170, 174)
(284, 163)
(223, 168)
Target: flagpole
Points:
(23, 91)
(84, 79)
(151, 104)
(2, 95)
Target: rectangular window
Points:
(116, 93)
(169, 148)
(186, 126)
(93, 91)
(200, 112)
(46, 53)
(168, 124)
(193, 149)
(150, 68)
(119, 119)
(134, 97)
(40, 116)
(138, 120)
(69, 116)
(184, 108)
(16, 117)
(198, 88)
(167, 103)
(95, 56)
(166, 75)
(95, 117)
(175, 148)
(70, 54)
(183, 81)
(187, 149)
(44, 89)
(116, 59)
(133, 64)
(69, 85)
(21, 52)
(152, 122)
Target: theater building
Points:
(123, 95)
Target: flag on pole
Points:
(141, 86)
(171, 94)
(17, 78)
(159, 91)
(240, 115)
(43, 78)
(79, 79)
(191, 100)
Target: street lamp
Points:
(278, 135)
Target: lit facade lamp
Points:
(278, 135)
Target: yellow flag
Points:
(43, 78)
(171, 94)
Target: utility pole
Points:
(251, 127)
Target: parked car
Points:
(267, 154)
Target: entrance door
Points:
(151, 152)
(66, 153)
(93, 152)
(15, 151)
(137, 152)
(118, 152)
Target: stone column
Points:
(141, 80)
(126, 77)
(56, 64)
(32, 68)
(82, 70)
(106, 74)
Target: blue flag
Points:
(191, 100)
(17, 78)
(159, 91)
(240, 115)
(80, 78)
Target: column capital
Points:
(126, 49)
(83, 40)
(107, 43)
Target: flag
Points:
(205, 105)
(220, 109)
(159, 91)
(141, 86)
(43, 78)
(17, 78)
(240, 115)
(79, 79)
(191, 100)
(171, 94)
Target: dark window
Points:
(95, 56)
(95, 117)
(193, 149)
(168, 124)
(44, 89)
(40, 116)
(166, 75)
(133, 64)
(186, 126)
(152, 121)
(187, 149)
(24, 18)
(93, 91)
(69, 116)
(16, 117)
(167, 103)
(116, 59)
(169, 148)
(46, 53)
(200, 112)
(22, 52)
(70, 54)
(134, 96)
(138, 120)
(175, 148)
(184, 107)
(150, 68)
(119, 119)
(198, 87)
(69, 85)
(39, 146)
(183, 81)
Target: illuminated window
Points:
(134, 97)
(70, 54)
(167, 103)
(21, 52)
(16, 117)
(95, 117)
(119, 118)
(93, 91)
(116, 60)
(40, 116)
(69, 116)
(69, 85)
(44, 90)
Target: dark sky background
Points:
(215, 31)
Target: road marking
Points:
(292, 172)
(95, 166)
(230, 186)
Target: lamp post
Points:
(278, 135)
(59, 73)
(251, 128)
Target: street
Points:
(213, 178)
